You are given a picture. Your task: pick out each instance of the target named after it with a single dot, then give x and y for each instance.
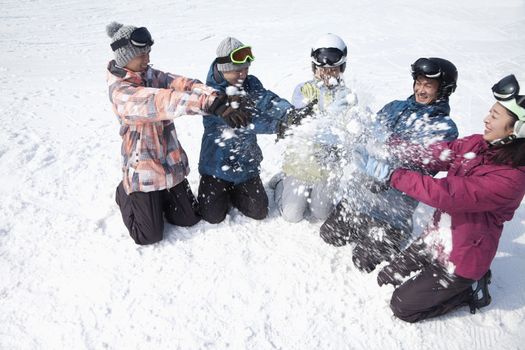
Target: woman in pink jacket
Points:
(484, 186)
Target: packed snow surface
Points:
(72, 278)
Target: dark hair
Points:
(512, 153)
(512, 114)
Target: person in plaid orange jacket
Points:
(155, 165)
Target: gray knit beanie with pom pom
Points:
(127, 52)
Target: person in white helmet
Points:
(328, 57)
(309, 179)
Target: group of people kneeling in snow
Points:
(362, 173)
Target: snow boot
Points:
(477, 301)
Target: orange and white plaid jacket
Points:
(145, 104)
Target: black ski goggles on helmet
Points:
(238, 56)
(328, 57)
(425, 67)
(506, 89)
(506, 92)
(140, 37)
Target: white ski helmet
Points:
(506, 91)
(329, 51)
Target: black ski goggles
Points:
(140, 37)
(506, 92)
(425, 67)
(506, 89)
(329, 57)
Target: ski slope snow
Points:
(72, 278)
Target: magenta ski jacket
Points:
(478, 196)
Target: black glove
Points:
(231, 109)
(294, 117)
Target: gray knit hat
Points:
(224, 49)
(127, 52)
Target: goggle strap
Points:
(520, 100)
(119, 43)
(224, 59)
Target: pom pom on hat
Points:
(113, 28)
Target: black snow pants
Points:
(216, 196)
(143, 212)
(375, 240)
(432, 292)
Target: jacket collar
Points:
(215, 79)
(125, 74)
(437, 107)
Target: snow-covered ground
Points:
(72, 278)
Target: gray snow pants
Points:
(295, 198)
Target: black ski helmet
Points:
(329, 51)
(440, 69)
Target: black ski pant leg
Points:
(431, 293)
(181, 207)
(214, 198)
(343, 225)
(371, 250)
(251, 199)
(412, 259)
(334, 229)
(142, 213)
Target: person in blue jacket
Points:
(230, 159)
(380, 223)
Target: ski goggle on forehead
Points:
(238, 56)
(506, 92)
(140, 37)
(328, 57)
(425, 67)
